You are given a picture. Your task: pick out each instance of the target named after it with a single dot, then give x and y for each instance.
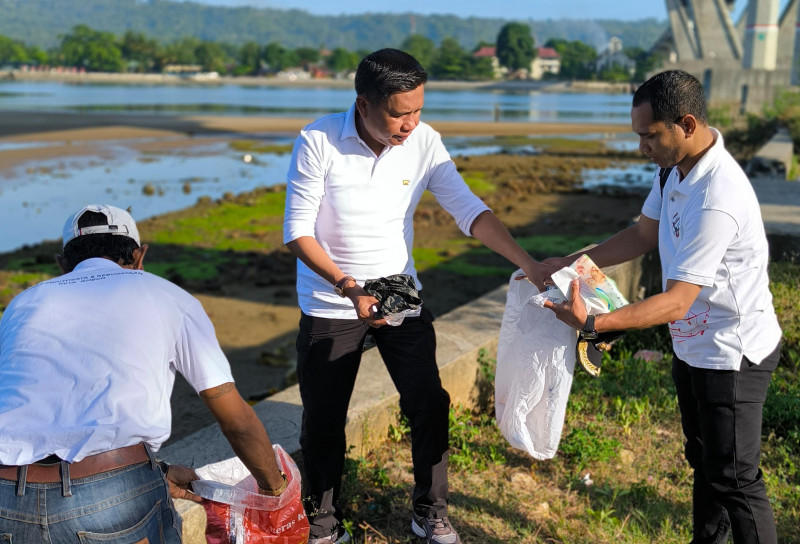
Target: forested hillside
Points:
(41, 22)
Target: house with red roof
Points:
(490, 52)
(547, 61)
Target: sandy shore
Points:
(60, 134)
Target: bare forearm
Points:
(252, 445)
(245, 433)
(308, 250)
(652, 311)
(493, 234)
(627, 244)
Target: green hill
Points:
(40, 22)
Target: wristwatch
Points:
(339, 286)
(588, 331)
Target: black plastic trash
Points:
(395, 293)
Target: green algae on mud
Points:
(255, 146)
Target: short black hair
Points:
(116, 247)
(386, 72)
(673, 94)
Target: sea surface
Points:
(456, 105)
(39, 195)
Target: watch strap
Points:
(339, 286)
(589, 332)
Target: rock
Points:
(542, 510)
(627, 457)
(522, 479)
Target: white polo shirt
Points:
(360, 208)
(88, 361)
(711, 234)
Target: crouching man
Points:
(87, 365)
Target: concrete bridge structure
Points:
(741, 63)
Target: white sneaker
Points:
(434, 530)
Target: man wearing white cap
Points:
(87, 365)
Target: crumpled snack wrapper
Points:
(600, 293)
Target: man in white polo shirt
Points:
(706, 222)
(353, 184)
(87, 365)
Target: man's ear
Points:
(138, 257)
(62, 263)
(361, 106)
(689, 124)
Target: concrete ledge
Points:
(774, 159)
(460, 336)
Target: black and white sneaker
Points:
(434, 530)
(339, 536)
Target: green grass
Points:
(619, 475)
(785, 285)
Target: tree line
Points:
(93, 50)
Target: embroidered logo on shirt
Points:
(676, 225)
(406, 181)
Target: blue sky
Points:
(507, 9)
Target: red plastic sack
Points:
(238, 514)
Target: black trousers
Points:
(721, 418)
(329, 354)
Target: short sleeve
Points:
(652, 205)
(706, 237)
(199, 357)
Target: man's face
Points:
(390, 122)
(662, 145)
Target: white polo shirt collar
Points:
(706, 162)
(349, 130)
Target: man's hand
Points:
(573, 312)
(537, 273)
(559, 262)
(366, 306)
(179, 478)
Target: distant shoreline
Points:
(170, 79)
(63, 134)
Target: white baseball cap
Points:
(119, 222)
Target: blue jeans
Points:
(129, 505)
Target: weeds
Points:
(619, 475)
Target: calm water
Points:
(467, 105)
(41, 194)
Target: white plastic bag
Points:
(535, 365)
(237, 513)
